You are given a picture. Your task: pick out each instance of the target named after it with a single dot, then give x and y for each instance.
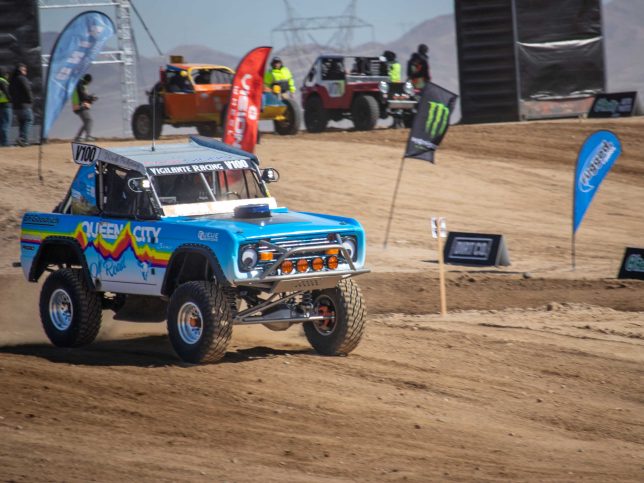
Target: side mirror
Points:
(270, 175)
(138, 185)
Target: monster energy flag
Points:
(431, 122)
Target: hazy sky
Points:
(236, 26)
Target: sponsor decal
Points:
(111, 268)
(111, 231)
(600, 156)
(422, 143)
(40, 219)
(207, 236)
(635, 263)
(200, 168)
(437, 117)
(475, 248)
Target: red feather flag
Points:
(242, 118)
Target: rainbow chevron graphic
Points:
(108, 250)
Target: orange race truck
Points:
(197, 95)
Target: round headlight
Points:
(409, 88)
(349, 245)
(383, 87)
(249, 258)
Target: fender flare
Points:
(195, 248)
(38, 265)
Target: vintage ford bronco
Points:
(193, 228)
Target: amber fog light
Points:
(302, 265)
(317, 264)
(287, 266)
(265, 256)
(332, 262)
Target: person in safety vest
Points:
(279, 74)
(393, 66)
(81, 104)
(6, 113)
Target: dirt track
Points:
(536, 375)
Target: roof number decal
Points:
(85, 154)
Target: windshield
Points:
(179, 189)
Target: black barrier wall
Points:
(20, 42)
(527, 59)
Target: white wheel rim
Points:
(190, 323)
(61, 310)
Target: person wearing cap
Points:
(418, 67)
(393, 66)
(279, 74)
(6, 113)
(81, 104)
(22, 99)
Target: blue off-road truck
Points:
(191, 227)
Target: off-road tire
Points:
(208, 129)
(217, 326)
(291, 125)
(350, 313)
(316, 117)
(142, 123)
(408, 120)
(365, 113)
(86, 308)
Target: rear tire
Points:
(343, 333)
(208, 129)
(365, 113)
(199, 322)
(316, 117)
(291, 125)
(142, 123)
(70, 310)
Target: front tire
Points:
(70, 310)
(341, 334)
(315, 116)
(199, 322)
(291, 125)
(142, 124)
(365, 113)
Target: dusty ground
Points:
(536, 374)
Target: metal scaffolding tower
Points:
(342, 26)
(124, 55)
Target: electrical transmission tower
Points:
(298, 31)
(125, 55)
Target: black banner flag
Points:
(431, 122)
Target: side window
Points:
(332, 69)
(120, 197)
(83, 192)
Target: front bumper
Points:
(271, 281)
(402, 104)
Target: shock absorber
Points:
(307, 302)
(231, 298)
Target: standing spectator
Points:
(5, 108)
(418, 67)
(81, 104)
(22, 99)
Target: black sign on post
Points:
(477, 249)
(618, 104)
(632, 264)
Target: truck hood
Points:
(281, 222)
